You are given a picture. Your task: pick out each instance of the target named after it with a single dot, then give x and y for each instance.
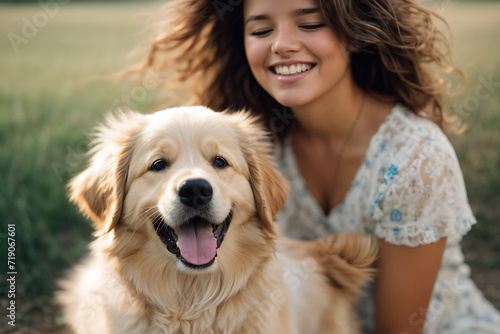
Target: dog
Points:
(183, 202)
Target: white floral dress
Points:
(408, 191)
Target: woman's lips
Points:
(290, 78)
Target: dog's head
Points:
(179, 180)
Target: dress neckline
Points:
(293, 167)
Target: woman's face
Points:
(293, 55)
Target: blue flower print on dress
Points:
(396, 216)
(393, 171)
(391, 209)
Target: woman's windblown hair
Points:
(392, 44)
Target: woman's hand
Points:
(404, 284)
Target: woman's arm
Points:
(404, 284)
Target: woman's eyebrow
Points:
(257, 18)
(294, 13)
(304, 11)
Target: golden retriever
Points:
(183, 203)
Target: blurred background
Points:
(53, 56)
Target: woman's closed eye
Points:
(261, 32)
(307, 27)
(312, 26)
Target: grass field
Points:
(48, 105)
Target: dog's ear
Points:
(270, 188)
(100, 189)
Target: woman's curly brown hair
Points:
(393, 44)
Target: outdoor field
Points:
(51, 97)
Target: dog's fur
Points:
(131, 283)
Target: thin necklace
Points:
(344, 145)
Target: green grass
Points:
(475, 28)
(48, 99)
(48, 103)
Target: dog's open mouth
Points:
(196, 241)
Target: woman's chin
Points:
(291, 102)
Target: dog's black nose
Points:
(195, 193)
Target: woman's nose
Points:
(285, 41)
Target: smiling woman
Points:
(365, 150)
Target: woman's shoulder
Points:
(410, 149)
(405, 134)
(407, 125)
(421, 194)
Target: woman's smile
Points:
(288, 73)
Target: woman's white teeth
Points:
(292, 69)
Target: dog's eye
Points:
(158, 165)
(220, 162)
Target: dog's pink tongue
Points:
(197, 243)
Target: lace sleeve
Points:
(424, 199)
